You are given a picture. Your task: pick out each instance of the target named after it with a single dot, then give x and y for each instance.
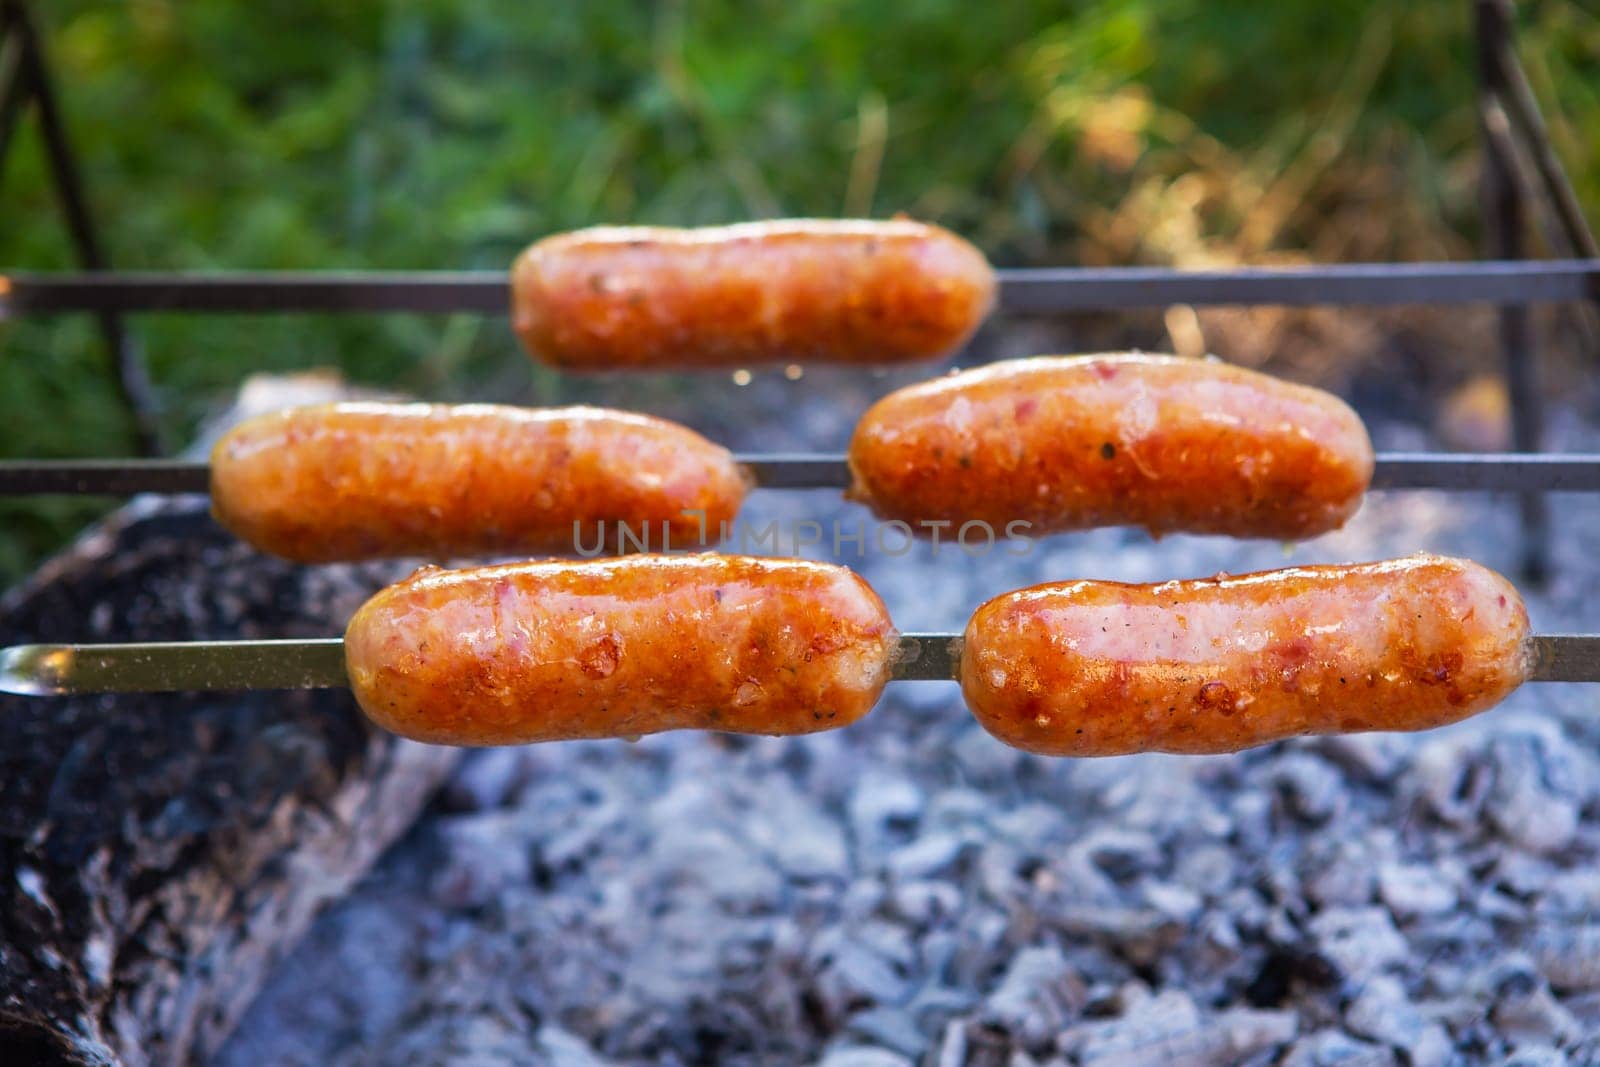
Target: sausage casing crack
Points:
(1095, 668)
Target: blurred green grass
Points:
(449, 133)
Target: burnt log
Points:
(160, 853)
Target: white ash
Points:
(910, 892)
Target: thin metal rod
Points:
(1566, 658)
(103, 477)
(1504, 224)
(1533, 472)
(1538, 471)
(127, 365)
(172, 666)
(1043, 290)
(318, 663)
(927, 657)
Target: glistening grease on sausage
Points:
(793, 290)
(1066, 443)
(1215, 665)
(560, 650)
(364, 481)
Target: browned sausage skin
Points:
(1067, 443)
(793, 290)
(364, 481)
(616, 648)
(1215, 665)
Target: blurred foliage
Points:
(448, 133)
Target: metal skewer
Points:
(195, 666)
(1525, 471)
(1030, 290)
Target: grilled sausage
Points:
(363, 481)
(617, 648)
(797, 290)
(1220, 664)
(1064, 443)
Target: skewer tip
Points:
(35, 670)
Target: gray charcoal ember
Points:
(960, 809)
(1036, 997)
(1140, 934)
(952, 1045)
(1412, 889)
(1169, 1029)
(850, 976)
(1569, 956)
(1535, 1017)
(983, 759)
(882, 808)
(999, 866)
(934, 1004)
(1361, 942)
(1571, 894)
(980, 948)
(923, 696)
(481, 1038)
(890, 940)
(891, 1028)
(798, 837)
(1496, 906)
(486, 780)
(565, 1049)
(1161, 794)
(938, 949)
(1525, 1011)
(1383, 1012)
(477, 867)
(1333, 1048)
(1032, 826)
(1121, 854)
(1339, 871)
(1220, 945)
(1251, 815)
(1248, 911)
(1101, 969)
(1209, 870)
(1313, 789)
(1521, 874)
(580, 833)
(862, 899)
(1585, 1007)
(928, 856)
(1376, 758)
(1147, 1027)
(691, 854)
(1174, 901)
(1536, 1056)
(1451, 779)
(1534, 799)
(862, 1056)
(926, 902)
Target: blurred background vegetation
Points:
(449, 133)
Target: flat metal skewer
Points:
(1041, 290)
(1523, 471)
(318, 663)
(315, 663)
